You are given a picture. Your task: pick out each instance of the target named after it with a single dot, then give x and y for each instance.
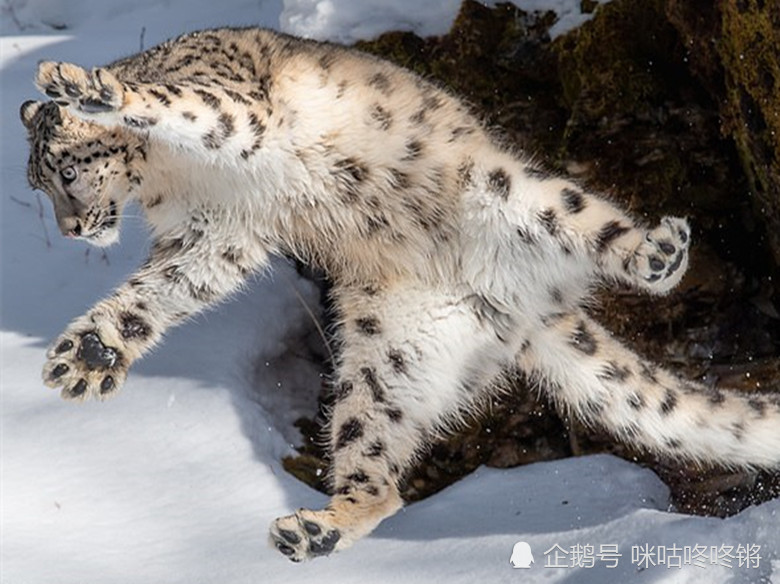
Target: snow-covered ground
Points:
(176, 480)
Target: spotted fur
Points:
(452, 258)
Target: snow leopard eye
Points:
(68, 174)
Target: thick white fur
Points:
(487, 271)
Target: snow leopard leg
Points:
(410, 359)
(216, 123)
(654, 260)
(517, 214)
(586, 371)
(186, 272)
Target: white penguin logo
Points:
(522, 557)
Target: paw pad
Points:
(64, 346)
(79, 388)
(302, 539)
(94, 353)
(326, 544)
(60, 370)
(92, 92)
(660, 261)
(82, 365)
(106, 385)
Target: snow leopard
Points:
(454, 257)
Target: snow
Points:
(344, 21)
(176, 480)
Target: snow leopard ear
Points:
(28, 110)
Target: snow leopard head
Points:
(88, 171)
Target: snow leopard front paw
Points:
(83, 365)
(660, 261)
(90, 92)
(305, 535)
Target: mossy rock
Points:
(735, 52)
(612, 64)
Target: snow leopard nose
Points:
(70, 226)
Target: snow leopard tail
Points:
(588, 373)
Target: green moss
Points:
(749, 47)
(610, 63)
